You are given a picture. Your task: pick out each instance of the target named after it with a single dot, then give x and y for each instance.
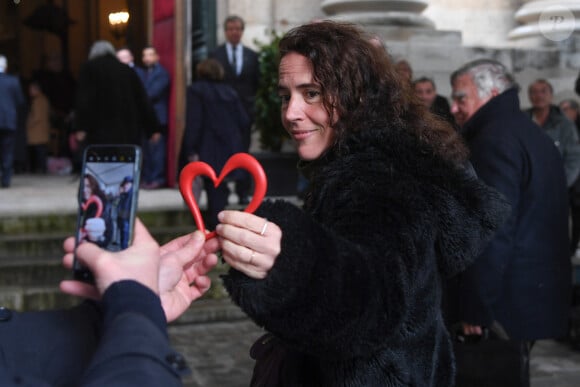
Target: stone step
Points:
(39, 271)
(66, 223)
(34, 285)
(206, 309)
(32, 273)
(49, 244)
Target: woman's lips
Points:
(301, 134)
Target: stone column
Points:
(546, 22)
(483, 23)
(400, 13)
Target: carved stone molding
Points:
(548, 21)
(401, 13)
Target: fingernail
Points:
(198, 236)
(221, 216)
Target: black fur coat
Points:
(354, 296)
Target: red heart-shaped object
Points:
(238, 160)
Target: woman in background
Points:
(215, 121)
(94, 227)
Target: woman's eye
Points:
(312, 95)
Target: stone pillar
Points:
(400, 13)
(546, 22)
(483, 23)
(257, 15)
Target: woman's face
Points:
(303, 114)
(86, 188)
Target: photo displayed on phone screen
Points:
(107, 197)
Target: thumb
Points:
(87, 254)
(142, 235)
(190, 250)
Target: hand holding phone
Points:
(108, 192)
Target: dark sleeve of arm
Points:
(501, 167)
(193, 123)
(323, 284)
(30, 341)
(134, 349)
(150, 122)
(160, 88)
(571, 151)
(84, 100)
(577, 85)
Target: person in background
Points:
(427, 92)
(124, 211)
(118, 336)
(93, 217)
(571, 109)
(348, 287)
(157, 84)
(12, 103)
(242, 72)
(59, 86)
(215, 122)
(125, 55)
(111, 104)
(560, 129)
(38, 128)
(526, 267)
(404, 69)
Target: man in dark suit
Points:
(11, 105)
(521, 282)
(157, 83)
(121, 339)
(242, 72)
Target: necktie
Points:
(234, 60)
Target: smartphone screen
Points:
(108, 192)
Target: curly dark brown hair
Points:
(361, 86)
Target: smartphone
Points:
(107, 198)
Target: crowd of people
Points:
(424, 219)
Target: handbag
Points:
(491, 360)
(269, 354)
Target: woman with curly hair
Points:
(349, 286)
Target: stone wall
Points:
(463, 30)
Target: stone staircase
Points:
(31, 268)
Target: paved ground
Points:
(219, 356)
(218, 352)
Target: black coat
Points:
(522, 280)
(355, 293)
(11, 103)
(111, 104)
(215, 123)
(126, 345)
(157, 83)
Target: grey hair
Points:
(101, 48)
(487, 74)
